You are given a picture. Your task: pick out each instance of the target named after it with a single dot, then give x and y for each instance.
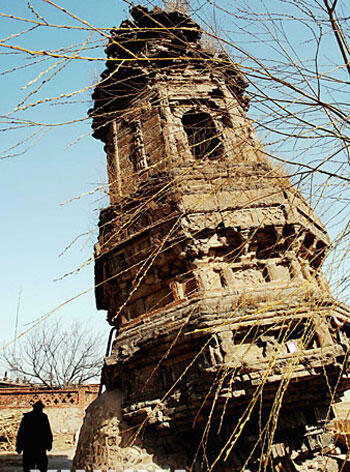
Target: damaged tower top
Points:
(208, 261)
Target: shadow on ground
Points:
(10, 462)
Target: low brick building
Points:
(65, 408)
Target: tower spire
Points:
(182, 6)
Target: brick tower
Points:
(208, 263)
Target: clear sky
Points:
(64, 162)
(36, 228)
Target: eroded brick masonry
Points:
(209, 266)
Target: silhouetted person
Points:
(34, 438)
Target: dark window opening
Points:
(217, 93)
(202, 135)
(304, 333)
(289, 236)
(222, 277)
(308, 240)
(226, 120)
(266, 275)
(232, 243)
(266, 243)
(288, 230)
(205, 233)
(320, 253)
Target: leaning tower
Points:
(208, 264)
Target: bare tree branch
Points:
(58, 356)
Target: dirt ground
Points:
(58, 459)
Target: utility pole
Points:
(17, 320)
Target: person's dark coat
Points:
(34, 433)
(34, 438)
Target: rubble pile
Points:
(9, 425)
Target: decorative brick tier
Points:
(24, 397)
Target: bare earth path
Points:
(59, 460)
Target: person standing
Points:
(34, 438)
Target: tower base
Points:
(301, 441)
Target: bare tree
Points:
(58, 356)
(295, 57)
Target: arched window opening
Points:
(202, 135)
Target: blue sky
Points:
(36, 228)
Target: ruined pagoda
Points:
(209, 266)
